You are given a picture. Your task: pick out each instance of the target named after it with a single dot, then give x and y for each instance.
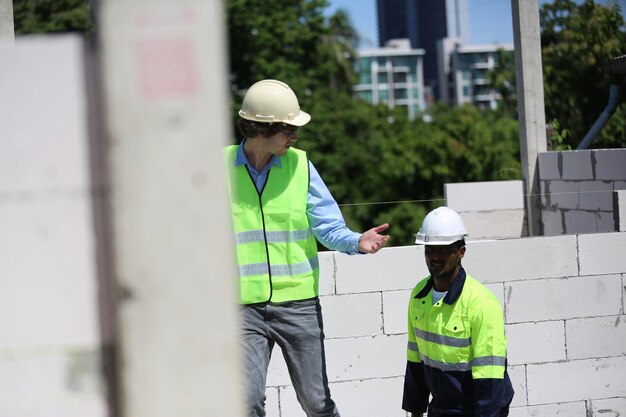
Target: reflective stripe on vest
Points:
(276, 250)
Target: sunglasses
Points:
(288, 132)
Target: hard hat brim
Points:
(300, 120)
(438, 240)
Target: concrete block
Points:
(564, 298)
(51, 384)
(365, 357)
(596, 337)
(619, 185)
(272, 406)
(368, 397)
(594, 378)
(549, 165)
(561, 195)
(277, 372)
(521, 259)
(327, 272)
(596, 195)
(619, 210)
(398, 268)
(496, 224)
(395, 307)
(518, 380)
(611, 407)
(497, 288)
(577, 221)
(521, 351)
(48, 280)
(577, 165)
(44, 122)
(485, 196)
(602, 253)
(610, 164)
(553, 222)
(551, 410)
(605, 222)
(352, 315)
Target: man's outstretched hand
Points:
(371, 241)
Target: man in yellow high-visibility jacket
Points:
(456, 351)
(280, 206)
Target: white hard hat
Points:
(442, 226)
(272, 101)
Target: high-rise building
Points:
(423, 22)
(392, 75)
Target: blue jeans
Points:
(297, 328)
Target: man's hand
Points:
(371, 241)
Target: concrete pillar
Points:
(166, 99)
(530, 105)
(7, 31)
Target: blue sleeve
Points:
(416, 393)
(326, 220)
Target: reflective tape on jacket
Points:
(276, 250)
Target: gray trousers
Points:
(297, 328)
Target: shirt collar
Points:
(242, 159)
(453, 293)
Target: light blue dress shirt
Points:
(327, 223)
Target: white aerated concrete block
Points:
(565, 298)
(327, 272)
(365, 357)
(496, 224)
(521, 259)
(549, 165)
(553, 222)
(485, 196)
(594, 337)
(577, 165)
(619, 205)
(605, 222)
(497, 288)
(43, 131)
(602, 253)
(395, 311)
(517, 374)
(289, 405)
(352, 315)
(576, 380)
(48, 280)
(277, 372)
(610, 164)
(548, 342)
(369, 397)
(52, 383)
(272, 406)
(572, 409)
(611, 407)
(389, 269)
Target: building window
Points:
(383, 95)
(399, 77)
(382, 78)
(465, 91)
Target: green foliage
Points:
(51, 16)
(502, 78)
(576, 39)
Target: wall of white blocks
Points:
(563, 301)
(577, 189)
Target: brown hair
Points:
(252, 129)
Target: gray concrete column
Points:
(619, 210)
(530, 104)
(167, 105)
(7, 31)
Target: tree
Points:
(576, 40)
(502, 79)
(51, 16)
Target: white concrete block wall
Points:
(577, 187)
(50, 343)
(491, 209)
(563, 300)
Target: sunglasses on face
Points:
(288, 130)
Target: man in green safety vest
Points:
(457, 349)
(280, 206)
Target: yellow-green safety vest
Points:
(467, 335)
(276, 250)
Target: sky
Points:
(489, 20)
